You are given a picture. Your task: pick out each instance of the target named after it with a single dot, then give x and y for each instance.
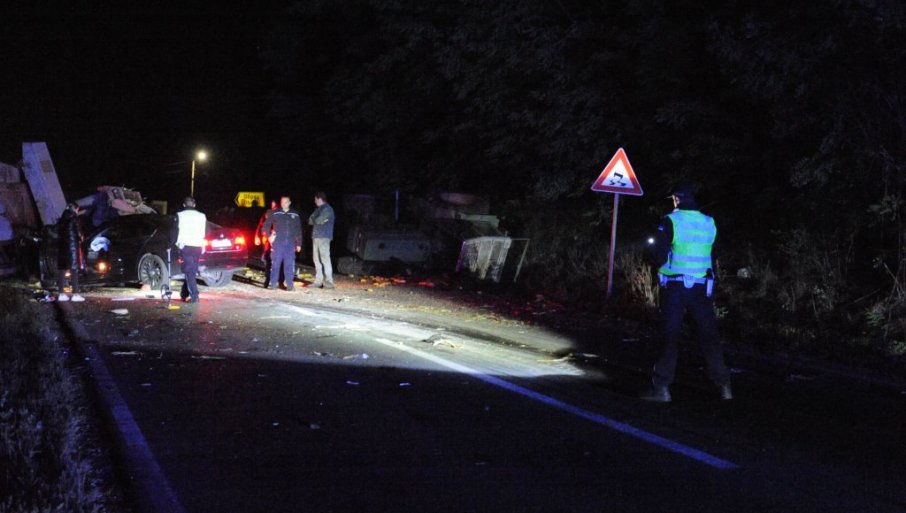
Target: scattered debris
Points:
(125, 353)
(124, 298)
(445, 343)
(173, 307)
(208, 357)
(314, 426)
(405, 384)
(146, 384)
(352, 383)
(120, 311)
(133, 333)
(734, 370)
(363, 356)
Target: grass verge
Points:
(51, 455)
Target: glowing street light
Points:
(200, 156)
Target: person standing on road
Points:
(284, 230)
(682, 251)
(191, 226)
(322, 221)
(262, 239)
(69, 257)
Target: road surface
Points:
(333, 401)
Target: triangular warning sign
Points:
(618, 177)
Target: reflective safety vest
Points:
(192, 227)
(693, 237)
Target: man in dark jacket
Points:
(69, 255)
(322, 221)
(283, 228)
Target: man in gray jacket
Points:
(322, 221)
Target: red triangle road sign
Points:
(618, 177)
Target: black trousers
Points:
(190, 256)
(676, 300)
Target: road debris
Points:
(352, 383)
(405, 384)
(120, 311)
(125, 353)
(362, 356)
(123, 298)
(208, 357)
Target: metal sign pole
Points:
(613, 244)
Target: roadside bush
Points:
(46, 460)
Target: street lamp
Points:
(200, 156)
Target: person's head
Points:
(320, 198)
(683, 195)
(285, 202)
(74, 207)
(273, 204)
(188, 202)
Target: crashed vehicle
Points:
(137, 249)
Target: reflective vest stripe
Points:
(693, 238)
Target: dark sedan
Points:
(137, 249)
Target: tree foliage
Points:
(792, 116)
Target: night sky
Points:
(121, 95)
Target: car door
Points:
(126, 238)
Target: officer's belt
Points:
(685, 279)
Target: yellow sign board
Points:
(248, 199)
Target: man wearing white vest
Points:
(682, 252)
(191, 225)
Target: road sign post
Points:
(617, 178)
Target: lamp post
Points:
(200, 156)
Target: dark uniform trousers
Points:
(283, 256)
(676, 299)
(190, 256)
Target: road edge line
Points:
(153, 490)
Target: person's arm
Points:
(323, 215)
(174, 231)
(663, 241)
(297, 233)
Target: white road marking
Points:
(616, 425)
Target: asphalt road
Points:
(269, 401)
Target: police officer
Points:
(284, 230)
(191, 226)
(682, 250)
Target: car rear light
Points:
(102, 267)
(239, 241)
(257, 240)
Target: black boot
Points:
(657, 395)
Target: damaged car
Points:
(137, 249)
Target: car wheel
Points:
(218, 279)
(152, 270)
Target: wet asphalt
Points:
(268, 401)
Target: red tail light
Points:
(239, 240)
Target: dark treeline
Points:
(792, 117)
